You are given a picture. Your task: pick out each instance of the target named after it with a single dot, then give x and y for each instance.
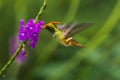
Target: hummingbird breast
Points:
(64, 41)
(59, 38)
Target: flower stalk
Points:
(12, 58)
(41, 11)
(10, 61)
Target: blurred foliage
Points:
(100, 60)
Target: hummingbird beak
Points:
(44, 26)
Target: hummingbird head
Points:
(51, 27)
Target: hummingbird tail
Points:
(79, 45)
(74, 43)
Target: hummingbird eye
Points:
(51, 29)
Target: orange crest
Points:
(50, 23)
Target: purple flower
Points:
(32, 44)
(14, 43)
(30, 31)
(22, 35)
(33, 36)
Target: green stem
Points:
(41, 11)
(21, 45)
(12, 58)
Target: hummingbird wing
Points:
(75, 28)
(64, 27)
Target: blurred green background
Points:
(100, 60)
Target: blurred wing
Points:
(64, 27)
(74, 28)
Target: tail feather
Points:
(75, 43)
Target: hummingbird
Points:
(63, 34)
